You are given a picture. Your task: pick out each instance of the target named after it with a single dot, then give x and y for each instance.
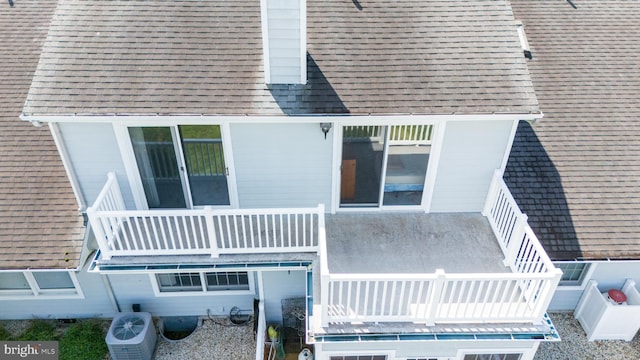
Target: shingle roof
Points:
(576, 173)
(39, 223)
(205, 57)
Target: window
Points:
(53, 280)
(572, 273)
(227, 281)
(360, 357)
(202, 282)
(179, 282)
(492, 356)
(13, 281)
(28, 284)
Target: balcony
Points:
(395, 269)
(207, 231)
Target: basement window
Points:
(492, 356)
(201, 282)
(573, 273)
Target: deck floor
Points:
(412, 243)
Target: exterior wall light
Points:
(325, 127)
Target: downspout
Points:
(112, 297)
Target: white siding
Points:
(282, 165)
(132, 289)
(414, 349)
(609, 275)
(279, 285)
(284, 32)
(471, 151)
(96, 303)
(94, 152)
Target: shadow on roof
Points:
(316, 97)
(536, 185)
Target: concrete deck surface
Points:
(412, 243)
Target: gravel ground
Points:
(215, 339)
(574, 344)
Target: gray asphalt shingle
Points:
(205, 57)
(40, 226)
(576, 173)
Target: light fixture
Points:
(325, 127)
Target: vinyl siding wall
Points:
(94, 152)
(282, 165)
(279, 285)
(609, 275)
(283, 19)
(471, 151)
(132, 289)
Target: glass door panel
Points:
(206, 168)
(362, 158)
(155, 155)
(406, 167)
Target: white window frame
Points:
(36, 293)
(493, 353)
(390, 354)
(584, 279)
(131, 166)
(203, 282)
(430, 176)
(525, 353)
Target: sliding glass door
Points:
(181, 166)
(206, 167)
(384, 165)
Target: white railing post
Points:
(325, 281)
(546, 294)
(262, 329)
(211, 231)
(325, 278)
(492, 193)
(434, 298)
(115, 189)
(98, 231)
(515, 241)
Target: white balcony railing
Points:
(520, 296)
(199, 231)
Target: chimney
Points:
(284, 41)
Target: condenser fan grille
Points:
(128, 327)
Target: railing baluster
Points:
(226, 217)
(250, 218)
(356, 307)
(244, 231)
(220, 230)
(276, 243)
(297, 232)
(171, 232)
